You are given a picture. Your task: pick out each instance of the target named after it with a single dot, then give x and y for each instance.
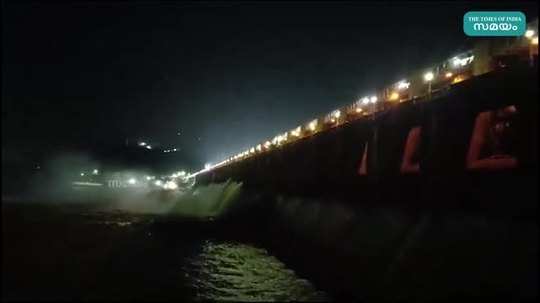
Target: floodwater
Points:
(65, 252)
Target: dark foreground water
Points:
(57, 252)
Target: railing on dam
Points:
(487, 125)
(472, 142)
(486, 56)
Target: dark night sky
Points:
(91, 74)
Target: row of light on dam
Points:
(455, 71)
(169, 182)
(359, 107)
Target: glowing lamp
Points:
(365, 100)
(170, 185)
(428, 76)
(394, 96)
(312, 125)
(403, 85)
(457, 79)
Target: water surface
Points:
(77, 252)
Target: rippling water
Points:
(239, 272)
(70, 253)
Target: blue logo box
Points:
(482, 24)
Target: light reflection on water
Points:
(231, 271)
(240, 272)
(102, 255)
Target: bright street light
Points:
(296, 132)
(312, 125)
(428, 76)
(170, 185)
(403, 84)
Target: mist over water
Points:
(214, 200)
(54, 184)
(246, 245)
(253, 245)
(140, 242)
(200, 202)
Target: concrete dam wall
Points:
(431, 199)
